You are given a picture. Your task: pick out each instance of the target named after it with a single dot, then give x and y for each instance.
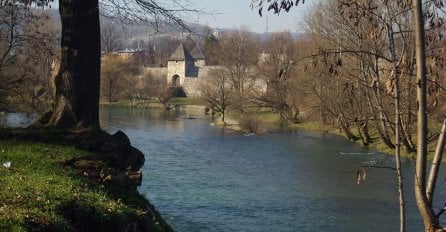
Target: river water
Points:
(203, 178)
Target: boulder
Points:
(134, 159)
(86, 164)
(121, 142)
(128, 179)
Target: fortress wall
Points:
(157, 72)
(191, 84)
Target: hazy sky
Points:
(235, 13)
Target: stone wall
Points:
(155, 72)
(158, 71)
(191, 84)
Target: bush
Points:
(251, 123)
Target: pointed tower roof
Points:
(180, 54)
(198, 54)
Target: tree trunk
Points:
(364, 143)
(76, 103)
(365, 130)
(406, 137)
(436, 162)
(344, 127)
(398, 152)
(377, 121)
(429, 219)
(383, 127)
(407, 125)
(396, 79)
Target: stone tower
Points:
(178, 65)
(185, 68)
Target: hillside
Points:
(132, 31)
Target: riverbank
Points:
(61, 181)
(265, 120)
(270, 121)
(151, 103)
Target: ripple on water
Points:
(204, 179)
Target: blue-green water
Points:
(202, 178)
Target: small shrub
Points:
(251, 123)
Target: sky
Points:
(237, 13)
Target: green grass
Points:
(153, 103)
(273, 120)
(127, 103)
(186, 101)
(270, 118)
(39, 193)
(377, 144)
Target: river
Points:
(203, 178)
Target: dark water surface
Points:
(202, 178)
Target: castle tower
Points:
(178, 65)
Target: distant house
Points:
(125, 54)
(138, 54)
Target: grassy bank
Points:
(39, 193)
(152, 103)
(271, 120)
(377, 144)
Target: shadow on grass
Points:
(90, 205)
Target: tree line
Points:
(27, 50)
(406, 39)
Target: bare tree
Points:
(118, 77)
(237, 54)
(277, 68)
(424, 206)
(111, 36)
(76, 103)
(395, 16)
(27, 50)
(164, 93)
(209, 45)
(216, 90)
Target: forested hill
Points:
(134, 31)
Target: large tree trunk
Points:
(429, 219)
(76, 102)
